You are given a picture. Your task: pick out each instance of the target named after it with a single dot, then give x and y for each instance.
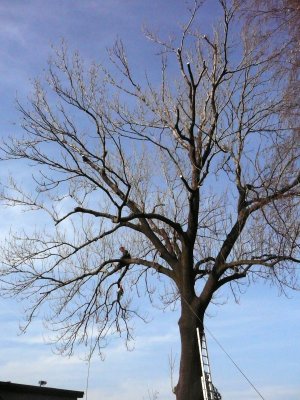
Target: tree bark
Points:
(189, 384)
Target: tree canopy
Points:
(197, 176)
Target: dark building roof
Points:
(40, 391)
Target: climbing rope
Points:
(89, 363)
(222, 348)
(210, 333)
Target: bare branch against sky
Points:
(166, 186)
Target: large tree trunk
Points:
(189, 384)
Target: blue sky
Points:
(261, 333)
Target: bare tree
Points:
(197, 177)
(277, 23)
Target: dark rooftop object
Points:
(16, 391)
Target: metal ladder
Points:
(207, 386)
